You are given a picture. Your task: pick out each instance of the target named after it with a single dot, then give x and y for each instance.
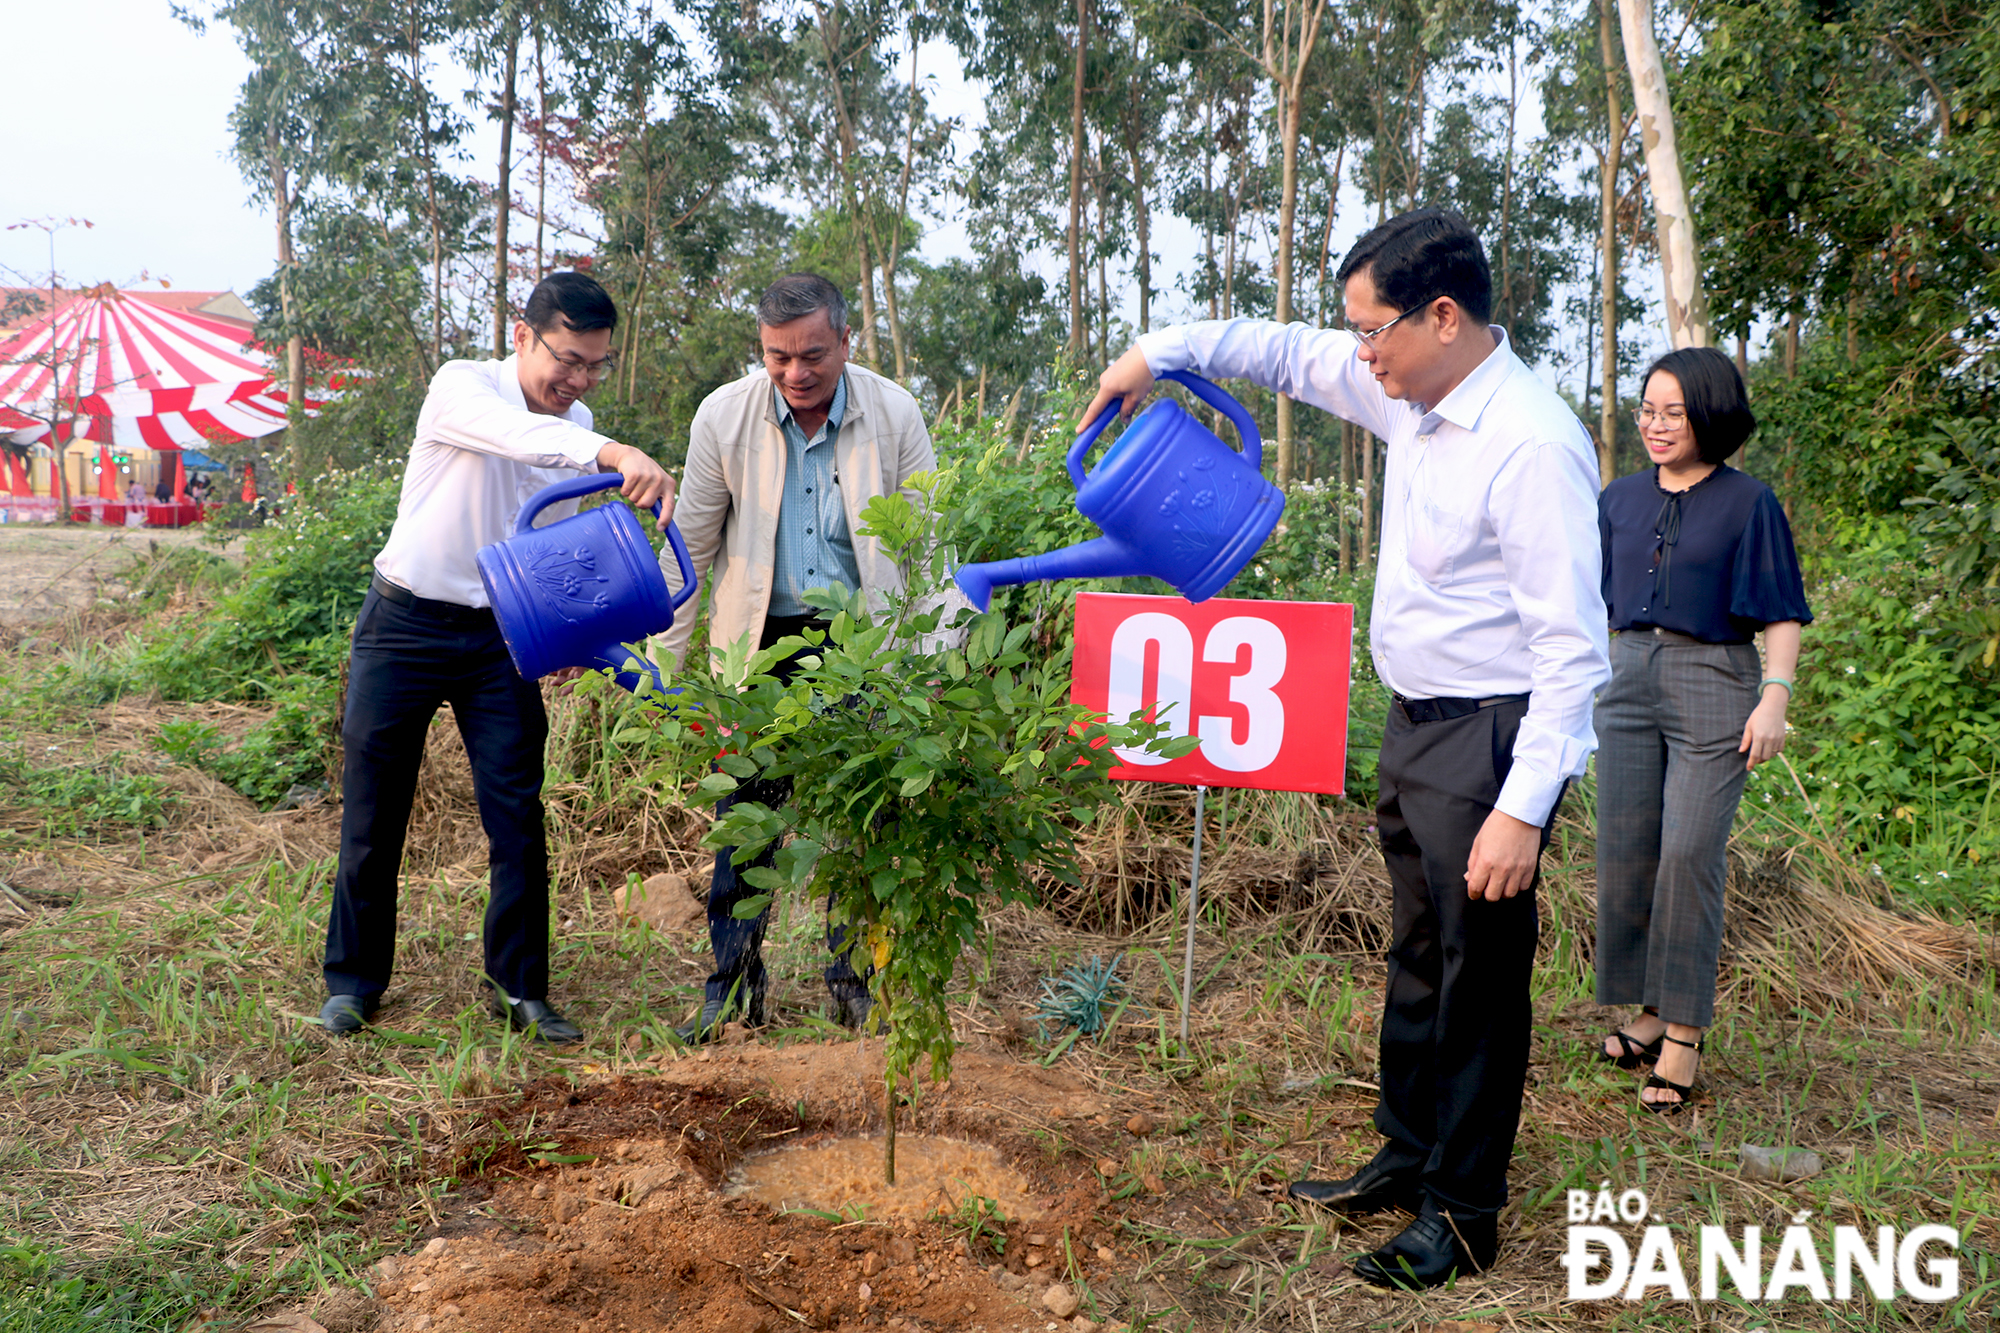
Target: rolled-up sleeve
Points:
(1309, 365)
(1545, 511)
(466, 411)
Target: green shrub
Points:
(291, 611)
(76, 800)
(1896, 738)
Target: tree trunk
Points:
(830, 44)
(503, 202)
(295, 360)
(1076, 343)
(1103, 282)
(1286, 56)
(1792, 344)
(1208, 211)
(1346, 496)
(422, 97)
(1607, 200)
(893, 255)
(1743, 369)
(1135, 147)
(1673, 220)
(541, 154)
(1367, 443)
(1507, 191)
(1326, 236)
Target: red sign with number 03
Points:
(1263, 684)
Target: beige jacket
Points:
(734, 481)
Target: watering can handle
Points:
(572, 487)
(1214, 395)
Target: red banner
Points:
(1263, 684)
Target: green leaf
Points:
(762, 877)
(918, 784)
(749, 909)
(737, 765)
(716, 784)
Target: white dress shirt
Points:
(478, 456)
(1488, 578)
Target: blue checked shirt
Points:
(815, 549)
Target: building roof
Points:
(22, 306)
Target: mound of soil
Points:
(602, 1207)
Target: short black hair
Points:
(1419, 256)
(1712, 392)
(797, 295)
(578, 299)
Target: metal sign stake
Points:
(1194, 902)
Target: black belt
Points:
(403, 597)
(1421, 711)
(1672, 636)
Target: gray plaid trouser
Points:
(1669, 777)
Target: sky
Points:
(140, 149)
(138, 145)
(145, 159)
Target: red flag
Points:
(180, 478)
(107, 474)
(249, 483)
(20, 476)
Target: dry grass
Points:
(166, 1076)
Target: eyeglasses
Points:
(1371, 335)
(1668, 420)
(596, 370)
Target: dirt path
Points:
(48, 570)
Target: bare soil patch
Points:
(643, 1233)
(51, 569)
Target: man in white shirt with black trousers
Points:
(491, 434)
(1489, 627)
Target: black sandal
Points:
(1685, 1090)
(1633, 1053)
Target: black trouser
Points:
(406, 661)
(1455, 1022)
(739, 945)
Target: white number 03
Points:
(1250, 688)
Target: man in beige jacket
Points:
(780, 465)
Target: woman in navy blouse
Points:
(1698, 559)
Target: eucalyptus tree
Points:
(1036, 58)
(1586, 104)
(838, 122)
(1673, 217)
(590, 43)
(273, 142)
(1845, 165)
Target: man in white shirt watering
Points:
(1489, 627)
(491, 434)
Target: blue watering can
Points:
(576, 592)
(1175, 503)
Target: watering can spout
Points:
(1099, 558)
(1175, 503)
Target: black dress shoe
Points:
(1430, 1252)
(717, 1012)
(1367, 1190)
(343, 1015)
(536, 1017)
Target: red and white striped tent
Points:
(136, 374)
